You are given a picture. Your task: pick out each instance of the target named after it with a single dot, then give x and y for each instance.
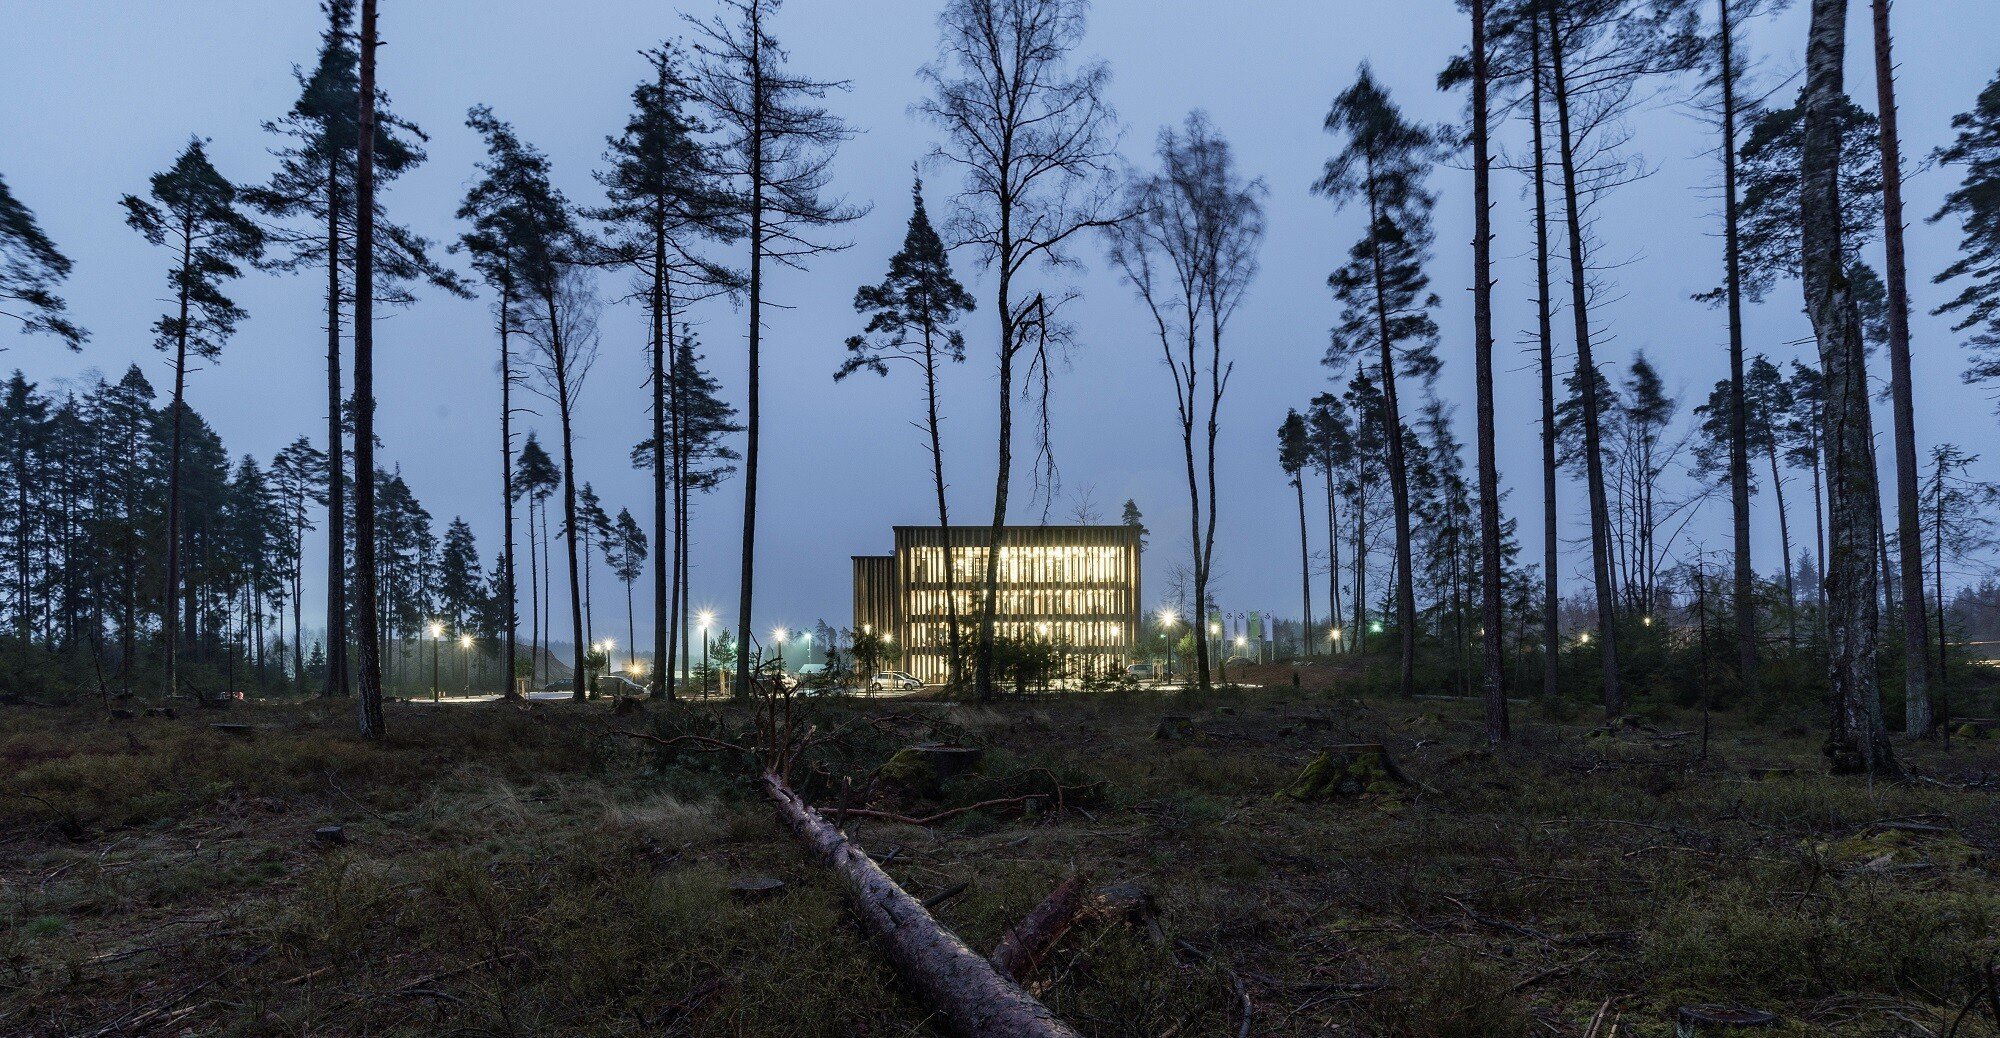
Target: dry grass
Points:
(520, 872)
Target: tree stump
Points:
(1341, 771)
(160, 711)
(1175, 728)
(119, 713)
(331, 835)
(1692, 1021)
(752, 889)
(241, 731)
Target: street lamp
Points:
(778, 637)
(437, 631)
(1167, 621)
(707, 618)
(465, 657)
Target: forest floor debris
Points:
(516, 871)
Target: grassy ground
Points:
(527, 871)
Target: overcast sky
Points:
(107, 92)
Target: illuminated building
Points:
(1075, 588)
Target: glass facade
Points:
(1071, 589)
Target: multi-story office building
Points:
(1074, 588)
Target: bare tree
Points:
(1856, 742)
(1188, 249)
(1032, 136)
(562, 337)
(778, 145)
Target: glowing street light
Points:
(465, 658)
(437, 631)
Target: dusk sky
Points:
(109, 91)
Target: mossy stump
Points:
(1175, 728)
(1346, 771)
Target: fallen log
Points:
(973, 997)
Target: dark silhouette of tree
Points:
(316, 186)
(698, 459)
(193, 212)
(461, 583)
(911, 317)
(530, 229)
(626, 553)
(1294, 457)
(666, 196)
(1187, 245)
(1332, 455)
(1856, 742)
(777, 148)
(536, 479)
(1031, 134)
(1975, 204)
(1479, 71)
(1727, 66)
(1384, 293)
(31, 269)
(1918, 720)
(298, 478)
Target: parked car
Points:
(894, 681)
(1141, 672)
(619, 685)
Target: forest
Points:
(413, 784)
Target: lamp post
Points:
(465, 659)
(1167, 619)
(778, 638)
(707, 618)
(437, 631)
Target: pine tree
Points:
(667, 195)
(536, 480)
(315, 185)
(31, 270)
(1384, 293)
(1975, 204)
(531, 230)
(193, 212)
(1294, 457)
(778, 144)
(626, 553)
(910, 318)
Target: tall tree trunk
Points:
(509, 605)
(955, 665)
(1917, 714)
(580, 683)
(663, 562)
(1600, 518)
(1785, 545)
(1305, 569)
(1545, 332)
(1492, 628)
(336, 468)
(982, 677)
(1333, 612)
(674, 457)
(370, 715)
(1399, 476)
(752, 413)
(1856, 742)
(170, 613)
